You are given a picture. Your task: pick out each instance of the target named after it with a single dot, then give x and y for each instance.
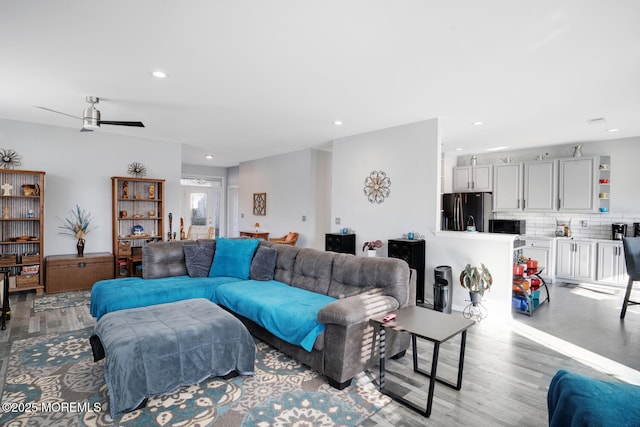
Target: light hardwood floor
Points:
(508, 364)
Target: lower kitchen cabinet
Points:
(611, 265)
(541, 250)
(72, 272)
(575, 260)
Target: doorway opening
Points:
(202, 203)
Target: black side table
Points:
(413, 252)
(342, 243)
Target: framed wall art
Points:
(259, 203)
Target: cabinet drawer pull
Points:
(82, 264)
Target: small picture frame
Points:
(259, 203)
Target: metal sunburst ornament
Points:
(376, 186)
(137, 170)
(9, 159)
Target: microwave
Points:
(508, 226)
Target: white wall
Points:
(409, 155)
(79, 167)
(294, 185)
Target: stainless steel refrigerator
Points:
(459, 209)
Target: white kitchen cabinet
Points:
(540, 185)
(611, 265)
(542, 251)
(576, 184)
(507, 187)
(575, 260)
(473, 178)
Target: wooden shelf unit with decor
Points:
(22, 234)
(135, 202)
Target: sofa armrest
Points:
(357, 309)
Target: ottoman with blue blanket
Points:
(154, 350)
(575, 400)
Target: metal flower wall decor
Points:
(137, 170)
(376, 186)
(9, 159)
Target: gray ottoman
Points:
(154, 350)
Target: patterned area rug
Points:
(61, 300)
(53, 381)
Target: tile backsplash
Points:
(598, 225)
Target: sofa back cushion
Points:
(284, 262)
(164, 259)
(312, 270)
(353, 275)
(232, 257)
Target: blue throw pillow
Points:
(233, 257)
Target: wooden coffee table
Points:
(431, 325)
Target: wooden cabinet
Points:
(540, 185)
(577, 180)
(541, 250)
(22, 219)
(137, 218)
(413, 252)
(73, 272)
(338, 242)
(575, 259)
(507, 187)
(255, 234)
(473, 178)
(611, 265)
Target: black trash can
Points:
(442, 288)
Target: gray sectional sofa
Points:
(358, 288)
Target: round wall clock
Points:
(376, 187)
(137, 170)
(9, 159)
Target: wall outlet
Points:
(337, 221)
(304, 218)
(583, 223)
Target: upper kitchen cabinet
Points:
(540, 185)
(507, 187)
(473, 178)
(576, 184)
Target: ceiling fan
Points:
(91, 117)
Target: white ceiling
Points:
(253, 78)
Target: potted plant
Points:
(476, 281)
(77, 225)
(371, 247)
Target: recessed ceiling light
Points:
(208, 156)
(497, 148)
(159, 74)
(337, 123)
(458, 149)
(613, 130)
(478, 123)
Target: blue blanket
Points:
(576, 400)
(119, 294)
(288, 312)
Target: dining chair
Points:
(632, 260)
(196, 232)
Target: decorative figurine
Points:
(5, 213)
(182, 235)
(125, 190)
(6, 189)
(152, 191)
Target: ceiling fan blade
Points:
(117, 123)
(58, 112)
